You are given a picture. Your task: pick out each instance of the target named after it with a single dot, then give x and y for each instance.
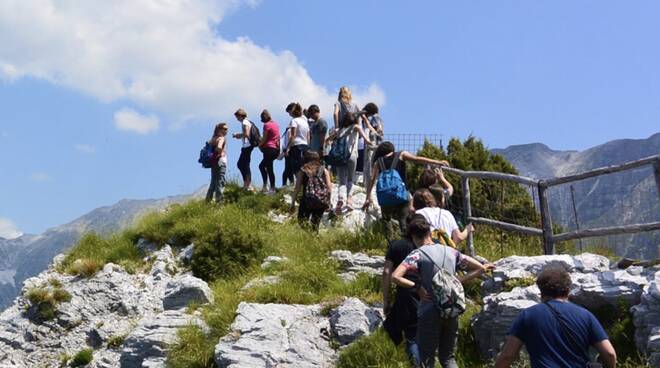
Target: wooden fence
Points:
(541, 187)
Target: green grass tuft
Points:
(82, 358)
(374, 351)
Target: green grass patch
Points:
(82, 358)
(93, 251)
(45, 300)
(374, 351)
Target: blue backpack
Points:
(340, 152)
(206, 156)
(390, 188)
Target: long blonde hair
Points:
(345, 94)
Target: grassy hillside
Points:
(232, 240)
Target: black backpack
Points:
(255, 135)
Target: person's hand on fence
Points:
(470, 228)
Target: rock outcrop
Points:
(129, 319)
(352, 264)
(595, 285)
(647, 321)
(300, 336)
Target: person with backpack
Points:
(401, 316)
(440, 219)
(298, 138)
(315, 183)
(250, 139)
(270, 147)
(344, 107)
(389, 173)
(343, 156)
(218, 162)
(442, 299)
(556, 332)
(374, 124)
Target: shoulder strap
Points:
(565, 330)
(381, 163)
(321, 172)
(395, 162)
(431, 259)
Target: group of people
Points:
(425, 264)
(355, 130)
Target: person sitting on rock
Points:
(401, 316)
(316, 185)
(443, 224)
(434, 333)
(556, 332)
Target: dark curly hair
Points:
(383, 150)
(418, 227)
(554, 282)
(370, 109)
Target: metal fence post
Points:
(546, 220)
(467, 207)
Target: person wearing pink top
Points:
(270, 147)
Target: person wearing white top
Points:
(439, 218)
(351, 131)
(298, 138)
(246, 150)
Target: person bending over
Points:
(315, 183)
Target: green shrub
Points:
(44, 301)
(82, 358)
(375, 350)
(229, 242)
(116, 341)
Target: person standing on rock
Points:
(556, 332)
(219, 163)
(270, 147)
(374, 125)
(385, 159)
(401, 316)
(318, 128)
(434, 333)
(246, 149)
(298, 138)
(314, 181)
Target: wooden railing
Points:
(541, 187)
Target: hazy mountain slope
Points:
(28, 255)
(623, 198)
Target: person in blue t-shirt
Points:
(556, 332)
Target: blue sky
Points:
(112, 100)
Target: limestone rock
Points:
(646, 317)
(354, 319)
(272, 260)
(185, 289)
(276, 335)
(149, 341)
(186, 254)
(354, 263)
(261, 281)
(145, 246)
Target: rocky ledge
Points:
(596, 284)
(128, 319)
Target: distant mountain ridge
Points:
(28, 255)
(617, 199)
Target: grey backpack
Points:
(447, 290)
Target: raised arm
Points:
(444, 182)
(407, 156)
(474, 268)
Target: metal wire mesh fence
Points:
(413, 142)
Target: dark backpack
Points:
(316, 194)
(390, 188)
(340, 152)
(255, 135)
(206, 156)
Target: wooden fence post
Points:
(546, 220)
(467, 208)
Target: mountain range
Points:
(616, 199)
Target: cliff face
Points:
(616, 199)
(28, 255)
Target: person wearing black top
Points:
(401, 316)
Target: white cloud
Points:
(132, 121)
(8, 229)
(85, 148)
(40, 177)
(163, 56)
